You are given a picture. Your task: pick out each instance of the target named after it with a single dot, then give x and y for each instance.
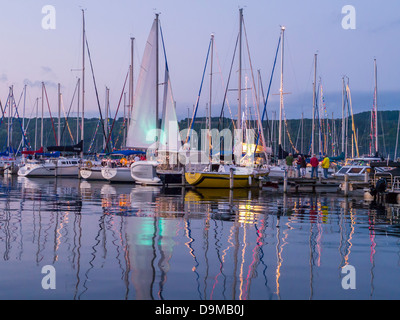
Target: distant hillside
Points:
(94, 132)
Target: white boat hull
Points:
(118, 174)
(93, 173)
(59, 168)
(144, 172)
(37, 170)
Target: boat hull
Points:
(93, 173)
(144, 172)
(37, 171)
(221, 180)
(170, 178)
(118, 174)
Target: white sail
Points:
(170, 139)
(142, 129)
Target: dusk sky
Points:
(31, 54)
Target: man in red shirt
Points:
(314, 164)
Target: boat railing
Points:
(390, 179)
(396, 184)
(195, 167)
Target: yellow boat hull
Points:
(221, 180)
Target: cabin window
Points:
(343, 170)
(62, 162)
(355, 170)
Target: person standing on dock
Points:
(325, 166)
(298, 163)
(303, 166)
(314, 166)
(289, 163)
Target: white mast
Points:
(59, 117)
(77, 116)
(83, 79)
(157, 67)
(397, 138)
(239, 118)
(343, 122)
(41, 123)
(210, 98)
(211, 74)
(131, 82)
(107, 105)
(281, 89)
(314, 106)
(23, 121)
(9, 118)
(376, 107)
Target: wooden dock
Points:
(296, 185)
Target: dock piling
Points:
(346, 185)
(231, 178)
(285, 182)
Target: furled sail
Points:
(170, 139)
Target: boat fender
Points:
(123, 161)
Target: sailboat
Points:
(226, 175)
(356, 167)
(162, 147)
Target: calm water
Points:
(110, 241)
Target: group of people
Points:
(301, 165)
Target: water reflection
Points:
(133, 242)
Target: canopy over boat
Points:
(75, 148)
(49, 154)
(127, 152)
(30, 152)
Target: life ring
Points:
(89, 164)
(123, 161)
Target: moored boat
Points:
(241, 177)
(59, 167)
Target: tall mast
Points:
(59, 116)
(83, 78)
(239, 118)
(37, 113)
(107, 105)
(23, 120)
(302, 133)
(41, 123)
(281, 89)
(343, 122)
(210, 99)
(376, 107)
(320, 119)
(131, 81)
(314, 106)
(77, 116)
(211, 74)
(157, 66)
(9, 118)
(397, 139)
